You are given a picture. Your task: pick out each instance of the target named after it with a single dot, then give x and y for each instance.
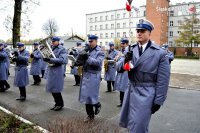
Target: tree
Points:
(18, 23)
(190, 34)
(50, 27)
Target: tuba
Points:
(45, 49)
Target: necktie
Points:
(140, 50)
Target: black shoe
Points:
(108, 91)
(21, 98)
(2, 90)
(76, 85)
(34, 84)
(120, 105)
(37, 83)
(57, 108)
(97, 108)
(89, 119)
(53, 107)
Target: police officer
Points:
(36, 64)
(43, 68)
(169, 53)
(55, 74)
(149, 80)
(21, 79)
(110, 72)
(3, 68)
(66, 62)
(89, 88)
(7, 85)
(74, 69)
(121, 81)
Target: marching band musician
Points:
(74, 69)
(110, 70)
(55, 74)
(35, 69)
(3, 69)
(21, 79)
(7, 85)
(149, 80)
(90, 82)
(121, 81)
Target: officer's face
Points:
(112, 47)
(55, 43)
(1, 47)
(123, 45)
(35, 46)
(142, 36)
(93, 43)
(20, 48)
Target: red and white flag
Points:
(192, 9)
(128, 5)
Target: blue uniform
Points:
(21, 72)
(55, 73)
(149, 80)
(89, 88)
(111, 72)
(36, 63)
(170, 56)
(3, 65)
(43, 65)
(121, 81)
(74, 70)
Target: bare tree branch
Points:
(50, 27)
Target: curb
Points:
(179, 87)
(24, 120)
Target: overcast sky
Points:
(69, 14)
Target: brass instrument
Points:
(106, 62)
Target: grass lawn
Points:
(9, 124)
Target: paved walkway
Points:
(178, 115)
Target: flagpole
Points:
(129, 26)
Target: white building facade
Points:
(114, 24)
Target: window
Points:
(131, 24)
(124, 34)
(112, 17)
(124, 15)
(144, 13)
(106, 18)
(171, 13)
(106, 26)
(106, 35)
(171, 33)
(95, 27)
(171, 23)
(101, 27)
(101, 18)
(95, 19)
(118, 16)
(112, 26)
(124, 25)
(196, 31)
(118, 25)
(170, 43)
(112, 35)
(91, 28)
(106, 43)
(178, 32)
(91, 19)
(101, 35)
(101, 43)
(118, 34)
